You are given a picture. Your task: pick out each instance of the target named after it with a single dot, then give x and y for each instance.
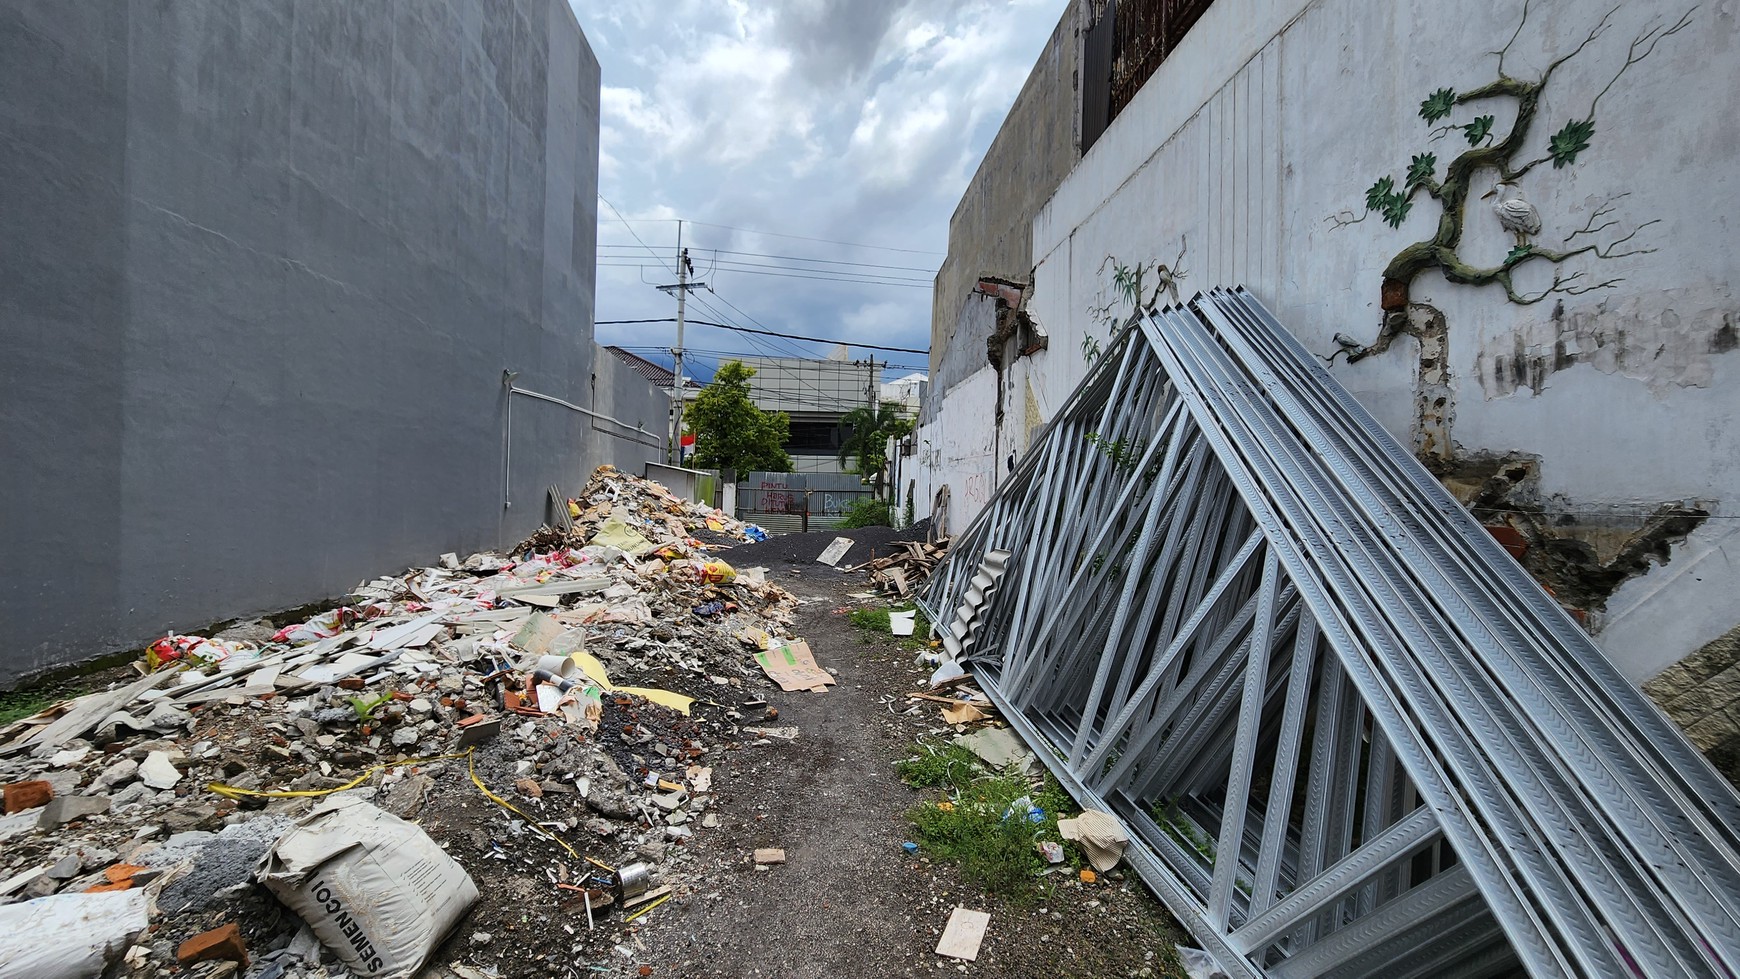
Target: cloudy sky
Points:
(787, 135)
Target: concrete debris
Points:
(66, 808)
(158, 771)
(491, 698)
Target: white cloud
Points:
(837, 119)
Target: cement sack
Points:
(70, 936)
(373, 887)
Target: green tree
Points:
(865, 450)
(730, 432)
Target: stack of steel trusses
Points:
(1347, 733)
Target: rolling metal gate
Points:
(1347, 734)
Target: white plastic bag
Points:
(373, 887)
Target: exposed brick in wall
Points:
(1702, 695)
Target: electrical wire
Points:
(725, 268)
(631, 231)
(778, 234)
(769, 333)
(790, 258)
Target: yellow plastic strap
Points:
(498, 800)
(631, 917)
(231, 792)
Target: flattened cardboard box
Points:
(373, 887)
(793, 666)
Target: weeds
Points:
(15, 704)
(866, 511)
(873, 619)
(983, 825)
(935, 767)
(876, 620)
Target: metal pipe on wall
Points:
(507, 380)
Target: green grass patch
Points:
(935, 767)
(873, 619)
(978, 824)
(876, 620)
(16, 704)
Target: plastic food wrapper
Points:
(373, 887)
(717, 572)
(322, 626)
(197, 649)
(70, 936)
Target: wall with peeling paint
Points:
(1274, 116)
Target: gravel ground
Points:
(849, 901)
(801, 550)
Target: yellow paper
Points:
(594, 671)
(618, 534)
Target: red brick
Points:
(224, 942)
(1510, 539)
(27, 795)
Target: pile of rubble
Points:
(547, 717)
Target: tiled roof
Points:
(659, 376)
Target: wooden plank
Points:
(964, 934)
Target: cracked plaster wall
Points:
(265, 264)
(1273, 115)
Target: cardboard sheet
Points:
(793, 666)
(835, 551)
(964, 934)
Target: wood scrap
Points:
(910, 565)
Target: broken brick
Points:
(224, 942)
(20, 796)
(1510, 539)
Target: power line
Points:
(631, 231)
(762, 270)
(766, 333)
(795, 258)
(780, 234)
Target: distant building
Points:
(908, 392)
(816, 394)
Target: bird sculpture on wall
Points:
(1517, 215)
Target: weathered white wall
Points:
(1275, 115)
(955, 449)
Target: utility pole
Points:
(681, 287)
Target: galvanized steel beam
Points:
(1347, 733)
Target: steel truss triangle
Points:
(1347, 734)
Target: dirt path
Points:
(849, 901)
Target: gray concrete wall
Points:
(642, 414)
(264, 265)
(991, 231)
